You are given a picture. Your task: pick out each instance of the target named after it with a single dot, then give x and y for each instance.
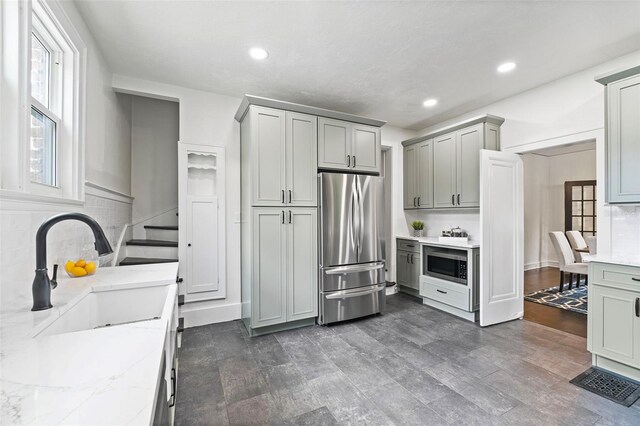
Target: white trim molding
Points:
(92, 188)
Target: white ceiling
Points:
(378, 59)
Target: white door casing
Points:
(501, 237)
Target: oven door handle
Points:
(354, 269)
(355, 293)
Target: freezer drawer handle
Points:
(440, 291)
(350, 293)
(339, 271)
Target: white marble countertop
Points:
(103, 376)
(434, 241)
(625, 260)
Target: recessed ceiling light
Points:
(506, 67)
(258, 53)
(430, 102)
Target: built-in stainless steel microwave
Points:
(447, 264)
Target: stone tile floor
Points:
(413, 365)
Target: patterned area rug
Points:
(572, 300)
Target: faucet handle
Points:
(54, 282)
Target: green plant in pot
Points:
(417, 226)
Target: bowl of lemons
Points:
(81, 267)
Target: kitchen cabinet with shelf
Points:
(443, 167)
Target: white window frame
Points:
(48, 20)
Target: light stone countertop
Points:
(102, 376)
(630, 259)
(434, 241)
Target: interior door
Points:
(202, 249)
(302, 159)
(502, 237)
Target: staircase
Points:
(160, 246)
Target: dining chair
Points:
(592, 242)
(577, 243)
(566, 261)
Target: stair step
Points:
(166, 228)
(152, 243)
(144, 261)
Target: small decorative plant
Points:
(417, 226)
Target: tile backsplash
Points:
(66, 240)
(625, 230)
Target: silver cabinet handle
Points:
(290, 216)
(453, 199)
(290, 196)
(635, 279)
(414, 201)
(440, 291)
(412, 259)
(418, 201)
(282, 216)
(351, 269)
(348, 161)
(351, 293)
(282, 196)
(354, 161)
(458, 199)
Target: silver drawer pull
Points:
(635, 279)
(351, 293)
(440, 291)
(352, 270)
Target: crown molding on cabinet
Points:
(248, 100)
(487, 118)
(612, 76)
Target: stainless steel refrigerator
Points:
(352, 249)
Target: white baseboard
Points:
(538, 265)
(196, 314)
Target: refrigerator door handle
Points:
(344, 294)
(355, 215)
(361, 219)
(353, 269)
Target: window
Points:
(580, 207)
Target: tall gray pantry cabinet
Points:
(279, 229)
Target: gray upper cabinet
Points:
(442, 169)
(418, 175)
(268, 140)
(301, 159)
(622, 136)
(348, 146)
(284, 158)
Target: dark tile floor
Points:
(411, 366)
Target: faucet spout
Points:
(42, 285)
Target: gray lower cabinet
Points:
(284, 269)
(622, 136)
(418, 175)
(614, 316)
(345, 146)
(408, 264)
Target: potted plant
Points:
(417, 226)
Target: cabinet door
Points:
(202, 272)
(366, 151)
(615, 329)
(468, 145)
(269, 292)
(403, 267)
(302, 263)
(444, 171)
(410, 173)
(268, 141)
(623, 141)
(302, 159)
(334, 144)
(425, 174)
(414, 281)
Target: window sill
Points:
(7, 195)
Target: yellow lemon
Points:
(90, 267)
(69, 266)
(79, 272)
(81, 263)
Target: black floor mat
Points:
(609, 385)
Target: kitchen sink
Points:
(111, 308)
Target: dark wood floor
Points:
(560, 319)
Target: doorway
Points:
(560, 187)
(387, 175)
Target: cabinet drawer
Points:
(409, 245)
(450, 294)
(619, 276)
